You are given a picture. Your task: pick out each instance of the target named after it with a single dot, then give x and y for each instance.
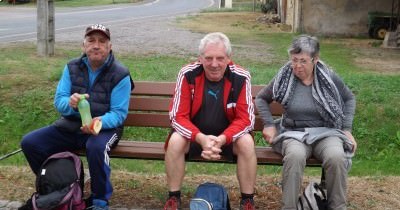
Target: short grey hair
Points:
(215, 37)
(305, 43)
(84, 40)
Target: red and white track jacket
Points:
(188, 96)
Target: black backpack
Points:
(60, 183)
(210, 196)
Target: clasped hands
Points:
(211, 145)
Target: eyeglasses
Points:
(301, 61)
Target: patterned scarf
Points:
(325, 94)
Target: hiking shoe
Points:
(173, 203)
(27, 206)
(247, 204)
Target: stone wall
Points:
(332, 17)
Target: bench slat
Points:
(148, 120)
(149, 104)
(167, 88)
(159, 104)
(154, 88)
(155, 151)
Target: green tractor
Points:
(380, 22)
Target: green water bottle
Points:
(84, 110)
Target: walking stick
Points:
(10, 154)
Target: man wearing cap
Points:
(107, 85)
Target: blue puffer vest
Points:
(100, 92)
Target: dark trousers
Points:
(39, 144)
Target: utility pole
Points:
(45, 27)
(225, 4)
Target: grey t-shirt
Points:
(302, 111)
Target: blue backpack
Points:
(210, 196)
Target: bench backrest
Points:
(150, 101)
(149, 106)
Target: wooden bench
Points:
(148, 107)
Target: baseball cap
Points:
(99, 28)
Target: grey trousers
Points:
(330, 152)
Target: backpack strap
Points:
(308, 201)
(300, 204)
(321, 203)
(34, 202)
(317, 186)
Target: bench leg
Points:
(323, 181)
(87, 188)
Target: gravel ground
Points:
(149, 36)
(161, 35)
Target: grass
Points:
(27, 84)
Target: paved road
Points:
(19, 24)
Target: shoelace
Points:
(172, 204)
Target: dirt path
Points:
(140, 191)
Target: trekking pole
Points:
(10, 154)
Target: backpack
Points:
(210, 196)
(313, 198)
(60, 183)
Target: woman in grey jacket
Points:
(319, 110)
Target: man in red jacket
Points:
(212, 115)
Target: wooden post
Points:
(41, 27)
(228, 3)
(45, 27)
(51, 32)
